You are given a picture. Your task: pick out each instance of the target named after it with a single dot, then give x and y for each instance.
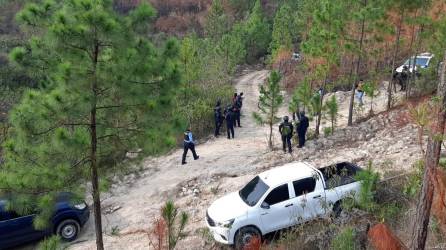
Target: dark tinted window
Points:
(3, 216)
(279, 194)
(8, 215)
(253, 191)
(304, 186)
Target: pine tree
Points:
(107, 92)
(231, 48)
(217, 22)
(324, 40)
(284, 30)
(257, 33)
(190, 66)
(332, 110)
(269, 102)
(434, 142)
(302, 97)
(371, 90)
(367, 14)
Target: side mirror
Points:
(264, 205)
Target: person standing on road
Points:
(218, 118)
(286, 131)
(229, 117)
(360, 92)
(302, 128)
(188, 144)
(236, 105)
(240, 100)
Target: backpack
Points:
(286, 129)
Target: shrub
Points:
(369, 180)
(327, 131)
(174, 227)
(345, 240)
(51, 243)
(413, 184)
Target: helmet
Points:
(285, 118)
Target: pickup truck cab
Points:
(423, 61)
(67, 220)
(280, 198)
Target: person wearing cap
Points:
(286, 132)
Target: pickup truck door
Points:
(16, 229)
(277, 209)
(309, 198)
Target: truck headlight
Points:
(80, 206)
(227, 224)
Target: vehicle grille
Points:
(209, 220)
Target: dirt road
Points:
(138, 200)
(224, 166)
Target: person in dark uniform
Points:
(236, 106)
(286, 131)
(218, 118)
(188, 144)
(236, 113)
(302, 128)
(240, 100)
(229, 117)
(404, 76)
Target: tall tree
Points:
(358, 63)
(402, 6)
(217, 22)
(324, 40)
(257, 33)
(108, 92)
(190, 65)
(232, 49)
(433, 149)
(269, 103)
(284, 30)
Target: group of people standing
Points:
(286, 130)
(231, 114)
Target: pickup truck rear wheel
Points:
(68, 229)
(245, 235)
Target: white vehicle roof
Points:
(286, 173)
(427, 55)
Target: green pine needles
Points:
(270, 101)
(105, 91)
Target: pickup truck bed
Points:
(339, 174)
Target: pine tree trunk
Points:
(395, 54)
(358, 64)
(421, 222)
(319, 114)
(93, 155)
(271, 121)
(270, 141)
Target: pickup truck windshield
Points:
(421, 61)
(253, 191)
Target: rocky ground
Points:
(225, 165)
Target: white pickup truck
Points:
(280, 198)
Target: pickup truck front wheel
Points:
(245, 235)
